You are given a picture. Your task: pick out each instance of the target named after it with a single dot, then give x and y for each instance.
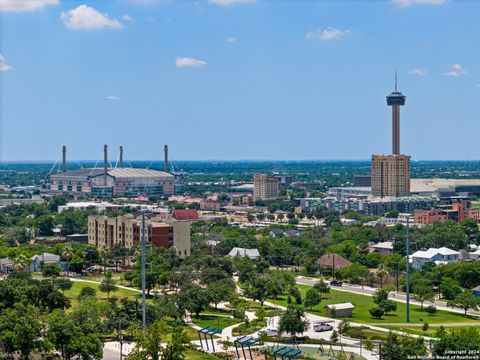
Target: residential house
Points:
(6, 266)
(253, 254)
(439, 256)
(45, 259)
(332, 261)
(384, 248)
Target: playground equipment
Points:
(245, 341)
(287, 353)
(208, 331)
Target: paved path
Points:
(98, 282)
(399, 297)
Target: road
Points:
(399, 297)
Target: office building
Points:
(265, 187)
(362, 180)
(391, 173)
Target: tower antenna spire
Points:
(395, 80)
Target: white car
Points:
(322, 326)
(270, 332)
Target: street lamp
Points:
(408, 269)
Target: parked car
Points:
(322, 326)
(336, 283)
(270, 332)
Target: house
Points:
(339, 310)
(185, 214)
(438, 256)
(6, 266)
(475, 255)
(384, 248)
(252, 254)
(292, 233)
(476, 291)
(38, 260)
(276, 232)
(332, 261)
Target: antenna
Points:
(395, 80)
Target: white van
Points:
(322, 326)
(270, 332)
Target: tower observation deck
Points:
(395, 100)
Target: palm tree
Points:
(67, 255)
(20, 262)
(381, 272)
(104, 254)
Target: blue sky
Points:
(238, 79)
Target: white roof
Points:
(343, 306)
(428, 254)
(476, 252)
(242, 252)
(384, 245)
(137, 172)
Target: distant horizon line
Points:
(221, 160)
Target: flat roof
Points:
(432, 185)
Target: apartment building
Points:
(265, 187)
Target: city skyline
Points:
(237, 80)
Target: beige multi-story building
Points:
(390, 175)
(265, 187)
(126, 230)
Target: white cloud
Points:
(3, 65)
(407, 3)
(112, 98)
(25, 5)
(328, 34)
(229, 2)
(87, 18)
(231, 40)
(456, 70)
(127, 17)
(181, 62)
(418, 72)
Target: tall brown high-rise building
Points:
(391, 173)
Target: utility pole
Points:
(408, 269)
(144, 317)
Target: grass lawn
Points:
(363, 303)
(196, 355)
(416, 330)
(313, 353)
(220, 322)
(252, 326)
(72, 294)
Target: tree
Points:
(87, 291)
(20, 262)
(398, 347)
(381, 273)
(257, 289)
(423, 292)
(50, 270)
(64, 284)
(465, 300)
(149, 346)
(312, 298)
(388, 306)
(376, 312)
(380, 295)
(108, 285)
(355, 273)
(56, 300)
(20, 330)
(466, 340)
(221, 290)
(176, 347)
(449, 288)
(334, 337)
(293, 321)
(322, 287)
(68, 339)
(260, 216)
(45, 224)
(193, 298)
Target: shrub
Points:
(376, 312)
(431, 309)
